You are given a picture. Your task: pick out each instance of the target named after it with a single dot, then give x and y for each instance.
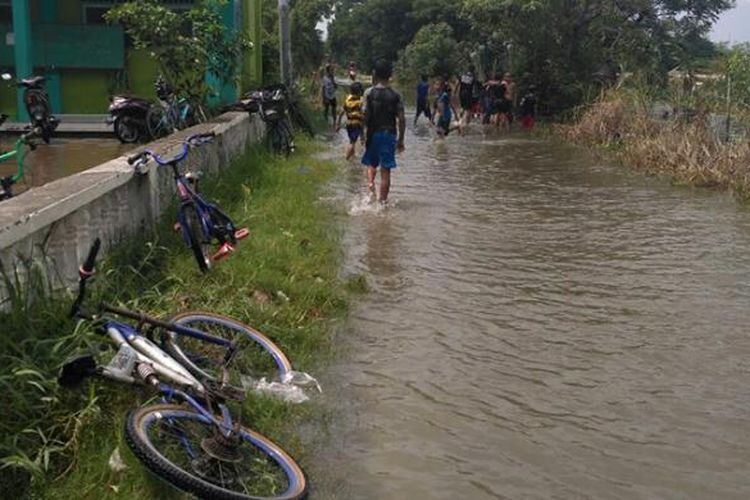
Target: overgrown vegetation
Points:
(284, 280)
(684, 145)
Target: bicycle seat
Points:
(33, 82)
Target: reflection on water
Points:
(60, 158)
(540, 325)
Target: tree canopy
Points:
(560, 45)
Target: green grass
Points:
(284, 280)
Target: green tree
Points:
(433, 51)
(366, 30)
(186, 45)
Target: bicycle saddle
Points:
(33, 82)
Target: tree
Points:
(367, 30)
(186, 45)
(433, 51)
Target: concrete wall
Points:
(53, 226)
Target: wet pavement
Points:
(60, 158)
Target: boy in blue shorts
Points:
(385, 125)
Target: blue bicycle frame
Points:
(147, 352)
(208, 214)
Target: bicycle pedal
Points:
(224, 251)
(242, 233)
(177, 227)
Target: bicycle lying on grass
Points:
(200, 221)
(191, 439)
(19, 152)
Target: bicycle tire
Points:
(299, 119)
(145, 426)
(195, 235)
(157, 122)
(255, 363)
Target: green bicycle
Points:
(19, 152)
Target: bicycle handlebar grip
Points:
(135, 158)
(88, 266)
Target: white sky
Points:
(734, 25)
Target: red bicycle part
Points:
(224, 251)
(242, 233)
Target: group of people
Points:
(376, 118)
(494, 101)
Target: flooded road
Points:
(60, 158)
(540, 325)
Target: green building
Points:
(85, 60)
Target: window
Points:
(6, 13)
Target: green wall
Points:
(85, 91)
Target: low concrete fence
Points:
(53, 226)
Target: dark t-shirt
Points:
(423, 89)
(383, 107)
(528, 103)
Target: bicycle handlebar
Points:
(85, 272)
(88, 266)
(193, 140)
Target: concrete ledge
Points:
(55, 224)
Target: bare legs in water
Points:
(385, 182)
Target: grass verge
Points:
(284, 280)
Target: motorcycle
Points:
(36, 100)
(128, 115)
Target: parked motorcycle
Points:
(128, 115)
(36, 100)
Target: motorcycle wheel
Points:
(127, 130)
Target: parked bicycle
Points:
(19, 153)
(296, 114)
(191, 438)
(36, 101)
(272, 106)
(200, 221)
(172, 113)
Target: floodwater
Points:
(540, 324)
(60, 158)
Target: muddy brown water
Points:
(540, 324)
(60, 158)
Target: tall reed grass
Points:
(685, 146)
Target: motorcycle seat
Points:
(33, 82)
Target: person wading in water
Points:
(385, 125)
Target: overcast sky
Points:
(734, 25)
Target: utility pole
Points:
(285, 43)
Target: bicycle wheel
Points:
(300, 120)
(259, 356)
(183, 447)
(197, 243)
(157, 122)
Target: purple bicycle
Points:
(201, 222)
